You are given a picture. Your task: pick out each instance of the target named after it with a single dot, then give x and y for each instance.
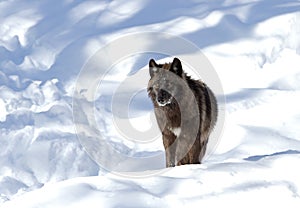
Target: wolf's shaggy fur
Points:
(168, 113)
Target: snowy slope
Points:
(273, 183)
(254, 46)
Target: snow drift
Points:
(254, 47)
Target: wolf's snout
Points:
(163, 98)
(160, 99)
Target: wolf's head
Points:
(162, 86)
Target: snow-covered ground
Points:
(254, 46)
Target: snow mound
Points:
(270, 181)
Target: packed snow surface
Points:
(254, 47)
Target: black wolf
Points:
(170, 106)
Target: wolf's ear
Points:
(152, 63)
(176, 67)
(152, 67)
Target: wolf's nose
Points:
(160, 99)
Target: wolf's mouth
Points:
(164, 102)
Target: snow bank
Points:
(270, 181)
(254, 47)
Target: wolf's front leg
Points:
(170, 149)
(170, 158)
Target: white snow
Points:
(253, 45)
(2, 111)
